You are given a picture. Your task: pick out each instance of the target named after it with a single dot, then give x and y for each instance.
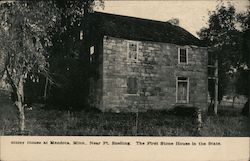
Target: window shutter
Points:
(132, 85)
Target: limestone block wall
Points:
(156, 70)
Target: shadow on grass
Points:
(51, 122)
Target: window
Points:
(92, 51)
(183, 55)
(132, 50)
(132, 86)
(81, 35)
(182, 90)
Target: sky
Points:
(193, 14)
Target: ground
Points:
(40, 121)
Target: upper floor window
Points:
(183, 55)
(132, 50)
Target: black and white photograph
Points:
(125, 68)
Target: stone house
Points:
(144, 64)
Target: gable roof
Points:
(142, 29)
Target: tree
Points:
(30, 33)
(24, 39)
(69, 56)
(224, 36)
(243, 85)
(174, 21)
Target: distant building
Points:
(144, 64)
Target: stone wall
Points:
(156, 70)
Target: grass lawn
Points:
(153, 123)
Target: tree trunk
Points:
(216, 88)
(249, 106)
(19, 97)
(20, 107)
(19, 103)
(248, 94)
(45, 89)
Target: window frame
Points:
(91, 55)
(188, 86)
(137, 50)
(81, 35)
(179, 55)
(92, 50)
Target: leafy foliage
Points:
(33, 36)
(224, 35)
(24, 38)
(69, 56)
